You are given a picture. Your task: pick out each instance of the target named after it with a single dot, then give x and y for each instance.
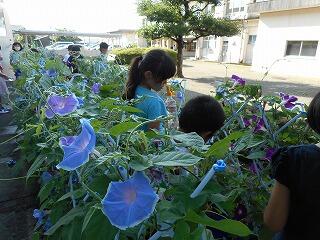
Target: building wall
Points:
(275, 29)
(229, 49)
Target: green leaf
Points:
(122, 128)
(140, 163)
(66, 219)
(257, 155)
(112, 104)
(175, 159)
(88, 217)
(38, 130)
(220, 148)
(226, 225)
(77, 194)
(35, 165)
(46, 190)
(182, 231)
(189, 139)
(99, 228)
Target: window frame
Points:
(300, 49)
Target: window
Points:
(234, 6)
(252, 39)
(302, 48)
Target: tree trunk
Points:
(180, 56)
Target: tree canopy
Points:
(176, 19)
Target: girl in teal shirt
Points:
(148, 74)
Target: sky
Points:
(94, 16)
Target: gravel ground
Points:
(201, 75)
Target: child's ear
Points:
(148, 75)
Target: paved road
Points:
(201, 76)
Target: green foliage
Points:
(125, 55)
(174, 162)
(172, 18)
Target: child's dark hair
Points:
(17, 44)
(313, 115)
(104, 45)
(157, 61)
(70, 47)
(201, 114)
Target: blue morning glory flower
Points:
(38, 214)
(18, 73)
(128, 203)
(41, 62)
(77, 148)
(52, 73)
(46, 177)
(47, 225)
(81, 102)
(96, 88)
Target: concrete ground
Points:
(201, 75)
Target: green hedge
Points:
(125, 55)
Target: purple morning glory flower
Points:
(46, 177)
(96, 88)
(253, 168)
(240, 212)
(259, 125)
(238, 80)
(52, 73)
(255, 121)
(156, 175)
(77, 148)
(269, 153)
(61, 106)
(247, 122)
(128, 203)
(287, 100)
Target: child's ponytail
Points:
(134, 78)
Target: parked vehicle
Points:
(59, 45)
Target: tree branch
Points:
(200, 10)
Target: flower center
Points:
(130, 196)
(61, 105)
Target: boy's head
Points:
(314, 114)
(70, 48)
(104, 48)
(75, 50)
(203, 115)
(16, 46)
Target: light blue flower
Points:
(77, 148)
(128, 203)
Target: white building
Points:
(236, 49)
(281, 34)
(126, 38)
(288, 37)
